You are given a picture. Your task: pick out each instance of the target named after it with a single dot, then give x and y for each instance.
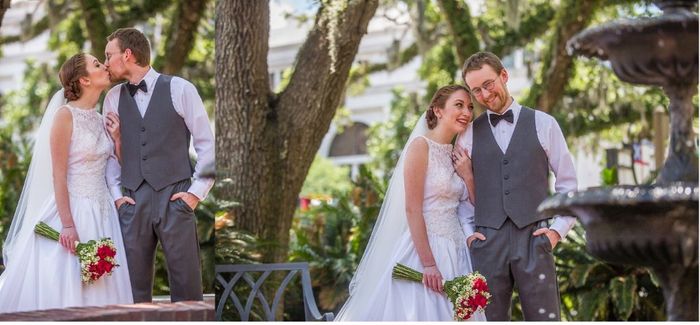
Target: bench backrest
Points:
(243, 272)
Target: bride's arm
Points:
(415, 169)
(61, 133)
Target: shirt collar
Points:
(514, 106)
(150, 78)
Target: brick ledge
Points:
(156, 311)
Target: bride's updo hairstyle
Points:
(71, 72)
(438, 102)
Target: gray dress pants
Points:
(512, 257)
(155, 218)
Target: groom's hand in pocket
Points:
(122, 200)
(474, 236)
(189, 198)
(552, 235)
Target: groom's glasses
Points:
(489, 85)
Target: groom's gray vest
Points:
(513, 184)
(155, 146)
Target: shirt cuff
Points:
(116, 192)
(468, 230)
(200, 188)
(562, 225)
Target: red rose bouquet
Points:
(469, 294)
(96, 256)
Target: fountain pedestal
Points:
(654, 226)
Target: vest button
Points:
(143, 143)
(507, 191)
(505, 161)
(506, 177)
(143, 129)
(144, 158)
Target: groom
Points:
(157, 115)
(513, 148)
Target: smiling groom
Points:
(513, 150)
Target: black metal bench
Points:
(242, 271)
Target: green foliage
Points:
(501, 36)
(325, 178)
(232, 246)
(439, 67)
(386, 140)
(333, 237)
(594, 290)
(596, 100)
(22, 111)
(609, 176)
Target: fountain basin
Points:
(653, 51)
(651, 226)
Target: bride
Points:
(67, 188)
(419, 224)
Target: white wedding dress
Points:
(42, 274)
(401, 300)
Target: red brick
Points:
(160, 311)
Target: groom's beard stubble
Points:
(497, 104)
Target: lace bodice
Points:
(443, 191)
(89, 150)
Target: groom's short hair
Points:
(136, 41)
(477, 60)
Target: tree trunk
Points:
(266, 143)
(96, 23)
(180, 39)
(571, 18)
(4, 5)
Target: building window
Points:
(352, 141)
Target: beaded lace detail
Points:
(87, 160)
(443, 190)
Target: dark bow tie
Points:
(134, 88)
(495, 118)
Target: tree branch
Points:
(141, 12)
(317, 84)
(4, 5)
(532, 26)
(35, 30)
(459, 20)
(180, 39)
(96, 23)
(323, 63)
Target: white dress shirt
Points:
(560, 161)
(190, 107)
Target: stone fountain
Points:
(653, 226)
